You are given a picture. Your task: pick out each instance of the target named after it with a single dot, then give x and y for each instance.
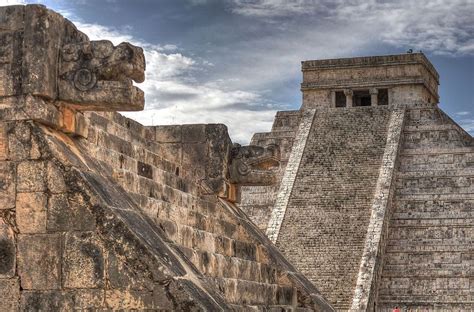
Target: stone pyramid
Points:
(375, 196)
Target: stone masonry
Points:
(365, 194)
(374, 202)
(100, 213)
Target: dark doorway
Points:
(340, 99)
(382, 97)
(361, 98)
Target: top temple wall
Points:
(404, 79)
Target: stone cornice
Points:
(371, 61)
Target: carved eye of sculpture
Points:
(243, 169)
(84, 79)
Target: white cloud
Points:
(11, 2)
(443, 27)
(463, 113)
(468, 125)
(275, 8)
(175, 95)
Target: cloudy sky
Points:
(238, 61)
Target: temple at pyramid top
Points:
(403, 79)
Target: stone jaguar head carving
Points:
(98, 71)
(254, 165)
(46, 56)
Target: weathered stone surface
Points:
(59, 63)
(252, 165)
(31, 212)
(7, 251)
(3, 141)
(21, 144)
(39, 261)
(83, 261)
(62, 300)
(9, 294)
(54, 178)
(68, 212)
(112, 215)
(31, 176)
(7, 185)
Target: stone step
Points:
(437, 162)
(435, 197)
(436, 151)
(422, 248)
(432, 207)
(431, 301)
(267, 308)
(432, 258)
(252, 293)
(219, 265)
(430, 222)
(204, 241)
(387, 305)
(444, 138)
(428, 271)
(453, 173)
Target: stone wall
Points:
(215, 238)
(100, 212)
(324, 228)
(428, 259)
(71, 239)
(258, 201)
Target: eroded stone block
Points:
(80, 299)
(39, 261)
(168, 134)
(9, 294)
(128, 299)
(55, 179)
(31, 176)
(31, 212)
(69, 213)
(83, 263)
(3, 141)
(7, 251)
(7, 185)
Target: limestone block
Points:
(31, 212)
(168, 134)
(55, 178)
(11, 17)
(80, 299)
(120, 275)
(39, 110)
(39, 261)
(69, 212)
(9, 294)
(31, 176)
(7, 185)
(3, 141)
(194, 157)
(21, 143)
(194, 133)
(74, 122)
(128, 299)
(7, 251)
(171, 152)
(42, 38)
(11, 23)
(83, 261)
